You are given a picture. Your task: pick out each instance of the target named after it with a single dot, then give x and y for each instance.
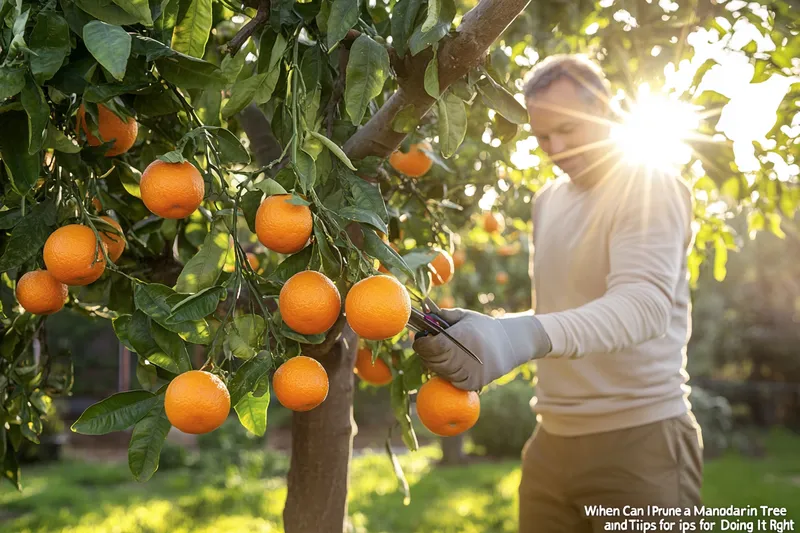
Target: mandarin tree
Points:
(355, 140)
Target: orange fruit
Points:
(441, 268)
(172, 190)
(377, 307)
(197, 402)
(253, 260)
(459, 258)
(301, 383)
(97, 205)
(72, 255)
(501, 277)
(115, 243)
(283, 227)
(445, 409)
(491, 222)
(39, 293)
(110, 127)
(309, 302)
(447, 302)
(413, 163)
(377, 374)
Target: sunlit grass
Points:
(76, 497)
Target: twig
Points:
(262, 16)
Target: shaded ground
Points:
(78, 497)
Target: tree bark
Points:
(453, 450)
(457, 56)
(322, 444)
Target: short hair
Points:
(578, 68)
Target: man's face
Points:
(571, 131)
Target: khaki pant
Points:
(658, 464)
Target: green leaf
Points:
(245, 335)
(130, 178)
(120, 325)
(306, 170)
(192, 30)
(140, 336)
(432, 17)
(366, 217)
(432, 76)
(381, 251)
(398, 469)
(400, 408)
(116, 413)
(174, 156)
(334, 148)
(110, 45)
(150, 48)
(10, 218)
(404, 14)
(56, 140)
(107, 12)
(12, 80)
(164, 25)
(406, 120)
(250, 203)
(498, 98)
(270, 187)
(38, 115)
(420, 39)
(342, 18)
(137, 8)
(28, 236)
(367, 70)
(249, 375)
(198, 305)
(452, 123)
(49, 41)
(194, 331)
(259, 87)
(190, 73)
(230, 147)
(304, 339)
(720, 259)
(331, 259)
(368, 196)
(147, 440)
(173, 346)
(11, 469)
(252, 412)
(292, 264)
(151, 299)
(203, 270)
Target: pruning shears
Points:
(427, 321)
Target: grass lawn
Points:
(76, 497)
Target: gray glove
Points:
(502, 344)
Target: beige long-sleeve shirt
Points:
(611, 290)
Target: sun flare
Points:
(654, 131)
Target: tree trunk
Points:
(453, 450)
(322, 443)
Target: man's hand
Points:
(501, 343)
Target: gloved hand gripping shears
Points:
(427, 321)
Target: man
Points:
(610, 327)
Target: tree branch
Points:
(262, 16)
(457, 56)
